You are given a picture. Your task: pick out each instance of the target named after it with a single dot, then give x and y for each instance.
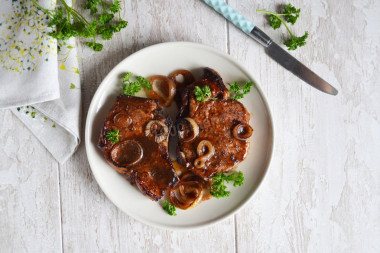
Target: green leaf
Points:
(122, 24)
(274, 21)
(105, 18)
(296, 42)
(169, 208)
(131, 88)
(72, 86)
(291, 13)
(238, 92)
(115, 7)
(95, 46)
(218, 187)
(113, 136)
(68, 22)
(202, 93)
(127, 76)
(107, 34)
(144, 83)
(92, 6)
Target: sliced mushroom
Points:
(187, 129)
(126, 153)
(205, 150)
(242, 131)
(163, 89)
(122, 120)
(189, 191)
(158, 129)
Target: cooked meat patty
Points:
(213, 135)
(141, 154)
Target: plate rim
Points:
(269, 149)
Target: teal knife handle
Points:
(230, 14)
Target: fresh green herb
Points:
(127, 76)
(295, 42)
(113, 136)
(143, 82)
(239, 92)
(95, 46)
(218, 187)
(68, 22)
(169, 208)
(131, 88)
(105, 18)
(115, 7)
(290, 14)
(201, 94)
(91, 5)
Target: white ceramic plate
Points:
(163, 59)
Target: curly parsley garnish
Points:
(113, 136)
(68, 22)
(201, 94)
(169, 208)
(237, 91)
(131, 88)
(218, 187)
(290, 14)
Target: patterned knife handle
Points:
(239, 21)
(232, 15)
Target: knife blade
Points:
(272, 49)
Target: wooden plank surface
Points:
(30, 217)
(322, 191)
(88, 216)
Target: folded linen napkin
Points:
(39, 77)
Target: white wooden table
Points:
(322, 190)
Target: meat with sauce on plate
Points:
(213, 135)
(141, 153)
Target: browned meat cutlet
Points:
(216, 121)
(141, 154)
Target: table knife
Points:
(272, 49)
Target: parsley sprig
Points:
(132, 87)
(290, 14)
(237, 91)
(169, 208)
(218, 187)
(113, 136)
(201, 94)
(68, 22)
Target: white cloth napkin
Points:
(39, 77)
